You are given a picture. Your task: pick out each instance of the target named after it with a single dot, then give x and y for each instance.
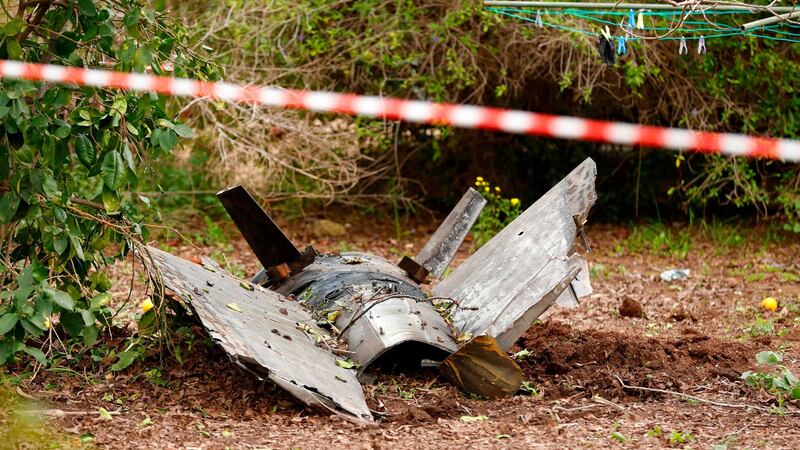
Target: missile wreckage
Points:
(314, 324)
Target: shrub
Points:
(71, 158)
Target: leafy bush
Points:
(71, 158)
(459, 52)
(498, 212)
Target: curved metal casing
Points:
(356, 282)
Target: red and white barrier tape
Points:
(465, 116)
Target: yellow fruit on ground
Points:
(769, 304)
(147, 305)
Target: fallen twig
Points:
(702, 400)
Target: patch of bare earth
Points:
(693, 337)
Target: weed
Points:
(655, 431)
(408, 394)
(498, 212)
(759, 276)
(677, 437)
(722, 234)
(214, 234)
(660, 239)
(345, 247)
(528, 386)
(617, 436)
(781, 383)
(760, 327)
(20, 427)
(597, 270)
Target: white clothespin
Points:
(606, 33)
(640, 20)
(539, 23)
(682, 48)
(701, 45)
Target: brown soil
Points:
(694, 336)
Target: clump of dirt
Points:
(630, 308)
(565, 360)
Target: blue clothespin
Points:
(539, 23)
(621, 48)
(701, 45)
(631, 19)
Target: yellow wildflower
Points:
(478, 183)
(47, 324)
(497, 188)
(514, 201)
(487, 189)
(478, 179)
(147, 305)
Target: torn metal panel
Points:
(265, 238)
(440, 249)
(509, 277)
(481, 367)
(386, 308)
(580, 287)
(265, 333)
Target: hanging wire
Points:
(690, 30)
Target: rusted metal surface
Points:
(518, 274)
(265, 333)
(382, 309)
(268, 242)
(481, 367)
(440, 249)
(414, 271)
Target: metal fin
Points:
(515, 276)
(481, 367)
(263, 332)
(440, 249)
(266, 239)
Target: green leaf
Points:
(100, 300)
(796, 392)
(14, 26)
(62, 131)
(8, 207)
(60, 298)
(90, 334)
(60, 244)
(104, 414)
(76, 245)
(110, 201)
(7, 322)
(183, 130)
(37, 354)
(13, 49)
(126, 358)
(768, 357)
(85, 150)
(167, 140)
(113, 169)
(87, 8)
(88, 317)
(4, 164)
(50, 187)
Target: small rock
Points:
(631, 308)
(327, 228)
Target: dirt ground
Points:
(689, 339)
